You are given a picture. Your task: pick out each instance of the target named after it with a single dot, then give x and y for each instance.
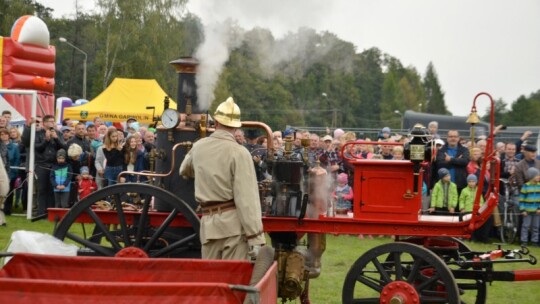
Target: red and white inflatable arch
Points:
(27, 61)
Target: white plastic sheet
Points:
(39, 243)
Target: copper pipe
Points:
(144, 173)
(269, 136)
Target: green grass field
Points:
(341, 252)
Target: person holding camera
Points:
(48, 141)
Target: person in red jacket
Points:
(87, 184)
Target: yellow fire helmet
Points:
(228, 114)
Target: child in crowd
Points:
(466, 198)
(61, 180)
(397, 153)
(343, 193)
(529, 206)
(87, 184)
(444, 196)
(466, 202)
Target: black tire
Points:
(157, 240)
(473, 288)
(411, 268)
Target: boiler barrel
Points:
(183, 188)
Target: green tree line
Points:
(325, 82)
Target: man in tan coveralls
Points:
(226, 189)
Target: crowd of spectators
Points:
(457, 159)
(75, 158)
(72, 159)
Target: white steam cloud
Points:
(213, 53)
(279, 17)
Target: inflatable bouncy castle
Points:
(27, 62)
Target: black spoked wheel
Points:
(509, 227)
(401, 273)
(452, 250)
(138, 231)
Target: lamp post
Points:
(64, 40)
(333, 110)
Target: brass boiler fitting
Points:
(188, 111)
(305, 142)
(202, 126)
(288, 149)
(290, 273)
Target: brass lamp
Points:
(305, 142)
(473, 119)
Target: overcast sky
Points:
(481, 45)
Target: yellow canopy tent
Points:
(122, 99)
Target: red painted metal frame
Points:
(385, 204)
(527, 275)
(332, 225)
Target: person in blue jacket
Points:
(61, 173)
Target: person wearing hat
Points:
(330, 158)
(468, 194)
(466, 204)
(66, 133)
(258, 153)
(226, 189)
(327, 138)
(86, 183)
(132, 126)
(288, 132)
(338, 133)
(61, 180)
(48, 141)
(130, 120)
(385, 133)
(444, 197)
(529, 207)
(529, 161)
(343, 193)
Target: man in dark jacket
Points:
(80, 138)
(48, 141)
(86, 145)
(258, 153)
(529, 160)
(454, 157)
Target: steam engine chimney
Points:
(186, 68)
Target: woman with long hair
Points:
(20, 185)
(133, 157)
(112, 150)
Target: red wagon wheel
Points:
(400, 273)
(132, 233)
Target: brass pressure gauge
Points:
(170, 118)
